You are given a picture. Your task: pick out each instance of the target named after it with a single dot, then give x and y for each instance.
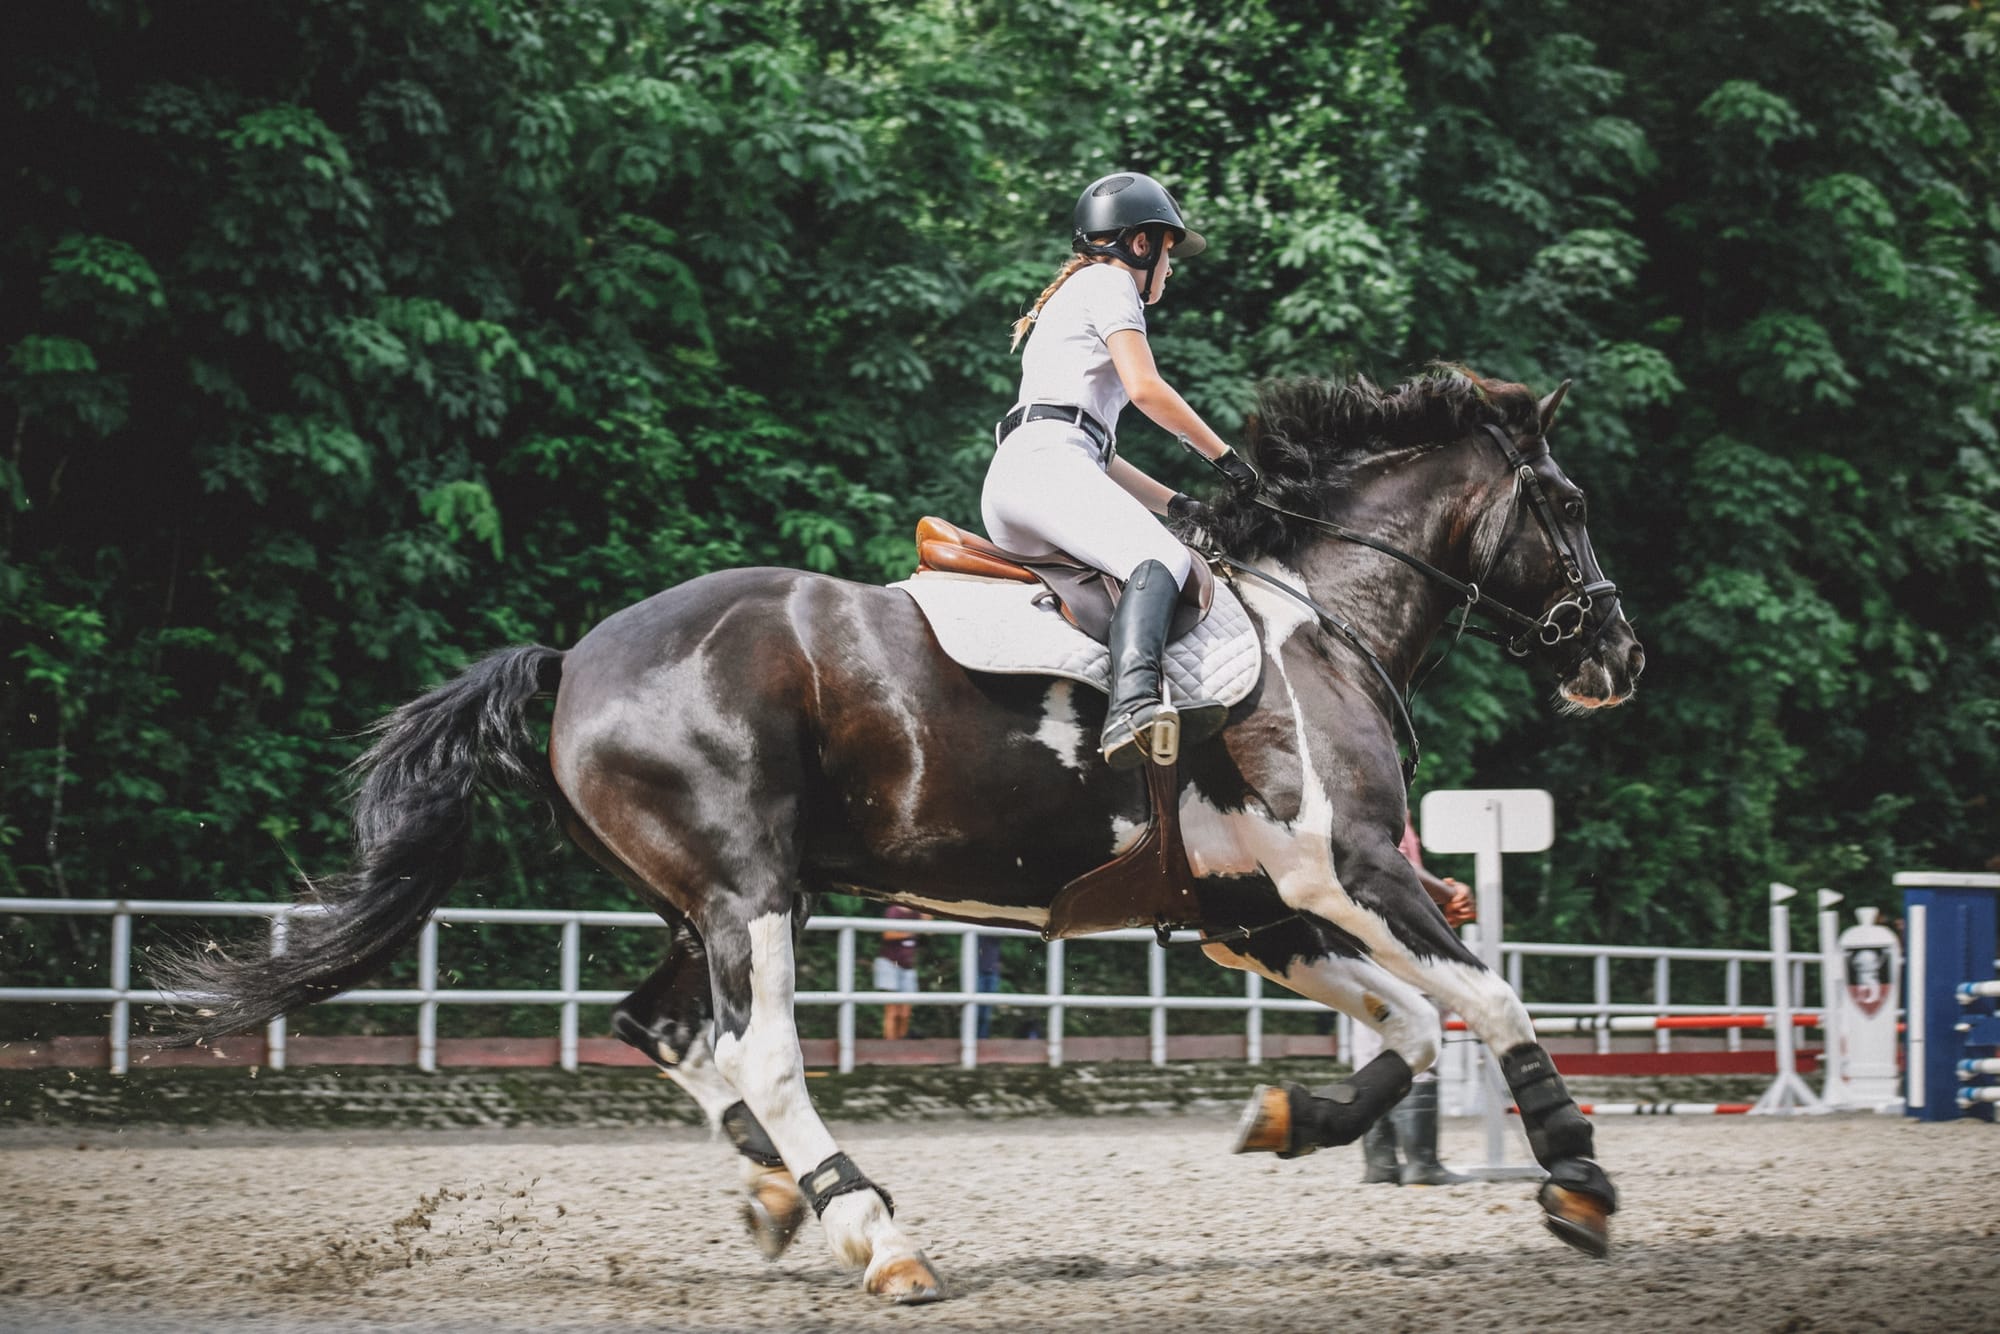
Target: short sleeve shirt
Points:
(1067, 359)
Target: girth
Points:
(1086, 595)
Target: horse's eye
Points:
(1574, 508)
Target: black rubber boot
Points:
(1138, 637)
(1379, 1166)
(1416, 1121)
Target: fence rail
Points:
(570, 995)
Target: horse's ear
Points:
(1546, 409)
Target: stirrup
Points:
(1162, 741)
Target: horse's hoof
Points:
(774, 1213)
(1266, 1124)
(906, 1281)
(1584, 1221)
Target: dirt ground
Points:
(1729, 1223)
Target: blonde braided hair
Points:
(1027, 321)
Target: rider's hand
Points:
(1185, 507)
(1460, 907)
(1242, 478)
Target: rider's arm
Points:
(1153, 495)
(1132, 357)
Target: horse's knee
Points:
(1412, 1032)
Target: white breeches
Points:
(1044, 492)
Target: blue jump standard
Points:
(1953, 925)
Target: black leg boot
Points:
(1416, 1122)
(1138, 637)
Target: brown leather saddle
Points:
(1150, 883)
(1086, 595)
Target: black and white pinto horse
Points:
(737, 743)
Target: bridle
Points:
(1564, 620)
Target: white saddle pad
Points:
(996, 625)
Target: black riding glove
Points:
(1186, 507)
(1242, 478)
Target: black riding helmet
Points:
(1125, 203)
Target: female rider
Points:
(1056, 481)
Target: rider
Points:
(1056, 481)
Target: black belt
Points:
(1075, 416)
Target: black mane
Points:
(1308, 435)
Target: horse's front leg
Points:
(1407, 934)
(1289, 1120)
(1375, 896)
(757, 1049)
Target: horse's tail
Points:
(412, 816)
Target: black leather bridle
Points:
(1564, 620)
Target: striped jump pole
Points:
(1653, 1023)
(1660, 1108)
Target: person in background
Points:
(989, 979)
(1412, 1124)
(896, 970)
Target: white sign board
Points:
(1463, 821)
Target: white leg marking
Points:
(1406, 1021)
(697, 1075)
(766, 1065)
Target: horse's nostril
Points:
(1635, 662)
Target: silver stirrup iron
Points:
(1164, 744)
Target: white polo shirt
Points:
(1066, 359)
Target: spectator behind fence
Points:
(896, 970)
(989, 979)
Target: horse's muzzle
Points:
(1607, 674)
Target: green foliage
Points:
(345, 341)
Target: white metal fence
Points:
(570, 995)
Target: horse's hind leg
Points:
(1291, 1121)
(668, 1018)
(750, 945)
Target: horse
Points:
(742, 741)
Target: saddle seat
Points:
(1086, 595)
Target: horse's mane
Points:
(1308, 436)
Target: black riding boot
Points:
(1416, 1121)
(1138, 637)
(1379, 1166)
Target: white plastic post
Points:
(1156, 987)
(843, 978)
(427, 1009)
(1832, 975)
(1253, 1018)
(121, 982)
(571, 971)
(275, 1031)
(1788, 1093)
(968, 1014)
(1054, 970)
